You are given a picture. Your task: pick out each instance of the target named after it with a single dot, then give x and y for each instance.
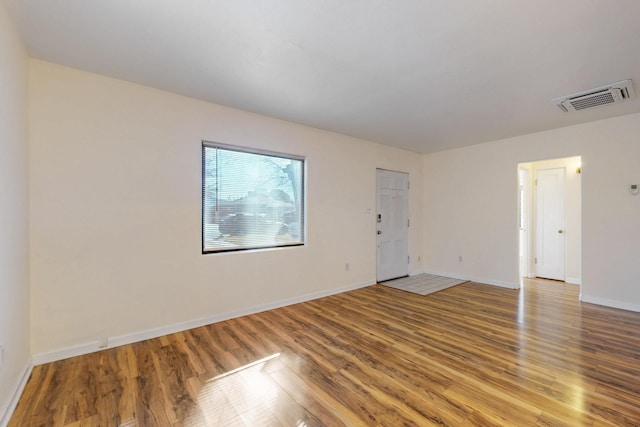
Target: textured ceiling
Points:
(423, 75)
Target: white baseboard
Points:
(573, 280)
(66, 352)
(9, 406)
(610, 303)
(499, 283)
(93, 346)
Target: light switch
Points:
(633, 189)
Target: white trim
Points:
(499, 283)
(573, 280)
(250, 150)
(609, 303)
(66, 352)
(93, 346)
(10, 405)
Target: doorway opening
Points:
(550, 219)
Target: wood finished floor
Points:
(472, 355)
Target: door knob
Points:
(560, 231)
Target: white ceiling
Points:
(424, 75)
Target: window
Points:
(250, 199)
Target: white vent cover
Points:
(603, 95)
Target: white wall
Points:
(14, 278)
(115, 219)
(115, 209)
(470, 207)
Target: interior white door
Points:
(550, 223)
(392, 225)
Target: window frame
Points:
(258, 151)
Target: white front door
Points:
(392, 225)
(550, 223)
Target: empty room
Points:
(356, 213)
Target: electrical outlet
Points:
(103, 343)
(460, 258)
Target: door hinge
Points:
(535, 182)
(408, 222)
(408, 259)
(408, 185)
(535, 260)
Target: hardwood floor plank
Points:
(470, 355)
(174, 369)
(315, 399)
(149, 405)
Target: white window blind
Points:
(250, 199)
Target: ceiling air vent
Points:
(603, 95)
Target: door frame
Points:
(524, 221)
(573, 215)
